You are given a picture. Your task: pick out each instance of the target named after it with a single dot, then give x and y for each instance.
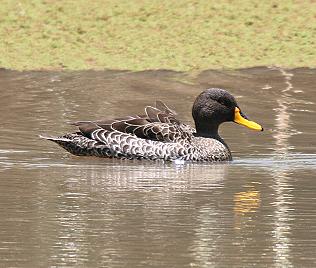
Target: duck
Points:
(158, 134)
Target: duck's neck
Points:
(209, 131)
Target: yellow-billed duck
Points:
(158, 134)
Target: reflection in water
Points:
(134, 199)
(207, 234)
(246, 202)
(148, 176)
(284, 130)
(72, 227)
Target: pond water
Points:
(59, 210)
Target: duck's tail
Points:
(55, 139)
(70, 142)
(77, 144)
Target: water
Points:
(59, 210)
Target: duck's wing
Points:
(106, 123)
(158, 123)
(157, 131)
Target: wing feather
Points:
(163, 107)
(158, 123)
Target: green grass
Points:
(181, 35)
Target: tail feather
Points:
(79, 145)
(55, 139)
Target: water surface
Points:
(59, 210)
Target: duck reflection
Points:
(131, 205)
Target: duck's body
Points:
(112, 143)
(158, 134)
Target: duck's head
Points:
(215, 106)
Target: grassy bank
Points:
(137, 35)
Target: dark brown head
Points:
(215, 106)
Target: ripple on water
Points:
(277, 162)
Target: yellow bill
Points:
(239, 119)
